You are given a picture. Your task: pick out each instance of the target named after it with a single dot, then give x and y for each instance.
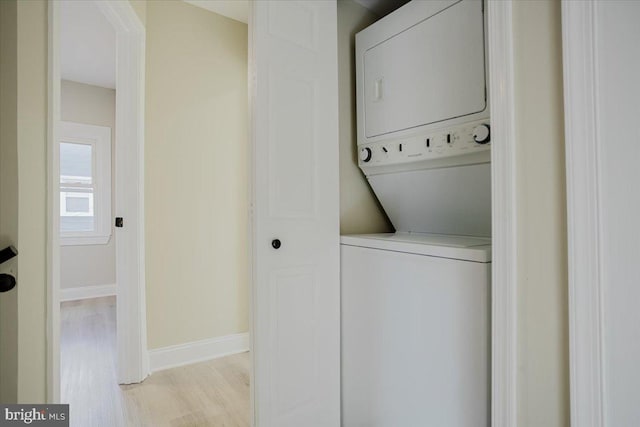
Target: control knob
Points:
(482, 134)
(365, 154)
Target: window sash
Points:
(98, 185)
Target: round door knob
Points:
(482, 134)
(7, 282)
(276, 243)
(365, 154)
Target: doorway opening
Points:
(182, 267)
(94, 279)
(85, 144)
(95, 158)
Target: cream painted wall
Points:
(8, 198)
(86, 265)
(543, 391)
(196, 174)
(360, 211)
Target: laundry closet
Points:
(415, 303)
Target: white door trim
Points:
(583, 214)
(133, 358)
(251, 158)
(504, 215)
(53, 207)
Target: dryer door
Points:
(427, 73)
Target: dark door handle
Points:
(7, 282)
(7, 253)
(276, 243)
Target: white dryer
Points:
(415, 330)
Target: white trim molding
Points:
(585, 287)
(133, 357)
(53, 206)
(198, 351)
(86, 292)
(504, 366)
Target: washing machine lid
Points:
(466, 248)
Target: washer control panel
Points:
(453, 141)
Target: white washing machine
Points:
(415, 330)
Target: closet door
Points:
(295, 214)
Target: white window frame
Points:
(99, 137)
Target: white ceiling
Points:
(88, 45)
(234, 9)
(381, 7)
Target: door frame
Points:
(504, 304)
(586, 321)
(133, 359)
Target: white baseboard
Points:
(84, 292)
(197, 351)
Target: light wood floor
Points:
(213, 393)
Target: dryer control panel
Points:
(466, 139)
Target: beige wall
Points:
(543, 392)
(360, 211)
(23, 197)
(8, 198)
(196, 174)
(86, 265)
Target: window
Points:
(85, 184)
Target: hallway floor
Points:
(213, 393)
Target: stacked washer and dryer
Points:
(416, 303)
